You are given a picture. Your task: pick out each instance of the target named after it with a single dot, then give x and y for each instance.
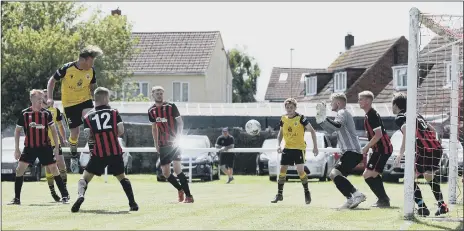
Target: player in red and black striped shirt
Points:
(167, 126)
(381, 146)
(102, 126)
(35, 121)
(428, 154)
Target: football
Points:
(253, 127)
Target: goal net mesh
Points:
(440, 102)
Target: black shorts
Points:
(377, 161)
(98, 164)
(60, 150)
(45, 155)
(169, 154)
(348, 162)
(428, 160)
(292, 157)
(74, 113)
(228, 159)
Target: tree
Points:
(245, 73)
(39, 37)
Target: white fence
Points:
(239, 109)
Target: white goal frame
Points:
(415, 20)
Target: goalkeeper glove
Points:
(320, 112)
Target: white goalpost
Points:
(435, 88)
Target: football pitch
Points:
(243, 204)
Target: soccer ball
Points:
(253, 127)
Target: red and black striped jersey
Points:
(373, 122)
(103, 124)
(35, 125)
(425, 137)
(165, 118)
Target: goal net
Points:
(435, 65)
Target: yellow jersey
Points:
(293, 130)
(75, 83)
(57, 117)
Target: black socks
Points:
(184, 183)
(18, 185)
(344, 186)
(126, 185)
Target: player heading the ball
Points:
(292, 130)
(78, 82)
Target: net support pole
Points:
(411, 113)
(454, 124)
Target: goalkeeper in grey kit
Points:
(343, 125)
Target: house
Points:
(365, 67)
(286, 83)
(191, 66)
(435, 77)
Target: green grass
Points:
(244, 204)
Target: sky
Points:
(268, 30)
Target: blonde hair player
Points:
(292, 130)
(78, 82)
(35, 121)
(343, 125)
(381, 146)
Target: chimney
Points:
(349, 41)
(116, 12)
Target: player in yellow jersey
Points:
(78, 83)
(58, 120)
(292, 129)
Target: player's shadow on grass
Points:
(100, 211)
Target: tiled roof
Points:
(433, 93)
(362, 56)
(173, 52)
(292, 87)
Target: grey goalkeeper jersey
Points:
(343, 125)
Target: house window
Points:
(311, 85)
(449, 72)
(133, 89)
(283, 77)
(302, 79)
(180, 91)
(340, 82)
(400, 77)
(142, 89)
